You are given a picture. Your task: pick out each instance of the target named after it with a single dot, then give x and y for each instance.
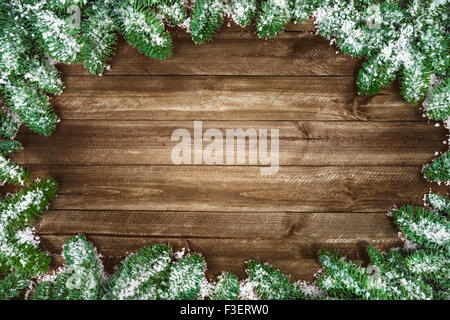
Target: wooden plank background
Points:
(345, 159)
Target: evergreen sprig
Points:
(143, 30)
(98, 37)
(439, 169)
(424, 227)
(271, 284)
(275, 14)
(9, 146)
(438, 202)
(82, 277)
(243, 11)
(11, 172)
(226, 288)
(438, 105)
(9, 125)
(20, 257)
(207, 18)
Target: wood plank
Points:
(227, 98)
(341, 227)
(292, 257)
(221, 188)
(300, 143)
(235, 53)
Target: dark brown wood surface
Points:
(345, 159)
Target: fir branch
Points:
(11, 172)
(55, 36)
(271, 284)
(31, 105)
(44, 75)
(184, 279)
(62, 5)
(430, 264)
(438, 202)
(376, 74)
(275, 14)
(12, 284)
(20, 209)
(206, 19)
(18, 245)
(43, 290)
(14, 43)
(172, 10)
(9, 146)
(98, 37)
(302, 9)
(426, 228)
(415, 80)
(438, 105)
(82, 276)
(346, 280)
(243, 11)
(144, 31)
(9, 125)
(227, 287)
(139, 275)
(439, 169)
(19, 254)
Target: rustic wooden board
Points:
(345, 159)
(235, 53)
(301, 142)
(340, 227)
(227, 98)
(234, 188)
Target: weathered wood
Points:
(346, 159)
(292, 257)
(301, 142)
(341, 227)
(235, 53)
(227, 98)
(221, 188)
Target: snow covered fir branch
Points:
(405, 40)
(20, 255)
(420, 270)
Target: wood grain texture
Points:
(331, 143)
(339, 227)
(345, 159)
(227, 98)
(235, 53)
(209, 188)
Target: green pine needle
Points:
(144, 31)
(227, 287)
(9, 146)
(11, 172)
(438, 105)
(439, 169)
(275, 14)
(206, 19)
(271, 284)
(98, 38)
(426, 228)
(9, 125)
